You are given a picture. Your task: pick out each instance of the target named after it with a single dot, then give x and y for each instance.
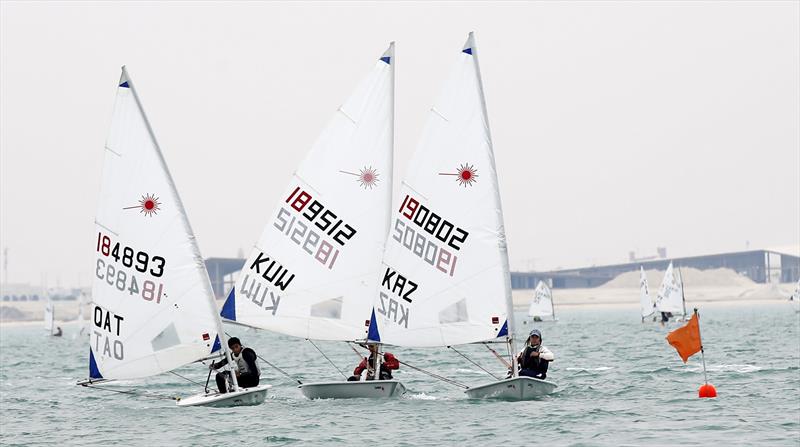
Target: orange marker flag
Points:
(686, 340)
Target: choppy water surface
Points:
(620, 383)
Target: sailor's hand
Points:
(534, 354)
(211, 366)
(238, 374)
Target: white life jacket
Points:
(242, 366)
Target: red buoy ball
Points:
(707, 390)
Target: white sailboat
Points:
(81, 320)
(647, 304)
(315, 269)
(153, 309)
(795, 297)
(542, 308)
(670, 298)
(446, 278)
(49, 315)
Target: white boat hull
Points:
(516, 388)
(370, 389)
(244, 396)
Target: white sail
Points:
(315, 268)
(445, 278)
(150, 310)
(670, 294)
(648, 306)
(542, 303)
(49, 315)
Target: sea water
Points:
(620, 383)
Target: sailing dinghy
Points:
(153, 309)
(49, 314)
(446, 278)
(315, 269)
(542, 308)
(670, 297)
(647, 304)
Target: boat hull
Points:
(515, 388)
(242, 397)
(371, 389)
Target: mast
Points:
(683, 295)
(552, 304)
(188, 228)
(501, 230)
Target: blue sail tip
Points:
(386, 59)
(372, 332)
(229, 308)
(467, 50)
(94, 371)
(125, 85)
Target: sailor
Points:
(388, 363)
(247, 372)
(58, 332)
(534, 359)
(665, 316)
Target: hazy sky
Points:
(617, 126)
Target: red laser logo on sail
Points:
(466, 174)
(367, 176)
(148, 205)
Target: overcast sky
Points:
(617, 126)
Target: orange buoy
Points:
(707, 390)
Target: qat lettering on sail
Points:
(394, 286)
(106, 342)
(274, 274)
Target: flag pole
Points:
(702, 351)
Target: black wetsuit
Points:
(532, 366)
(245, 379)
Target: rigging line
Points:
(474, 363)
(186, 378)
(500, 357)
(326, 358)
(133, 393)
(436, 376)
(279, 369)
(274, 366)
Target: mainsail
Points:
(670, 294)
(648, 306)
(315, 269)
(542, 303)
(445, 278)
(49, 314)
(151, 292)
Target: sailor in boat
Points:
(58, 332)
(535, 358)
(388, 363)
(665, 316)
(247, 372)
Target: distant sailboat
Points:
(153, 308)
(446, 278)
(795, 297)
(670, 299)
(646, 302)
(315, 269)
(80, 319)
(49, 315)
(542, 308)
